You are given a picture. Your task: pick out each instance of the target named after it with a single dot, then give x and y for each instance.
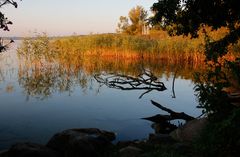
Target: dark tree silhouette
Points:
(221, 136)
(183, 17)
(4, 22)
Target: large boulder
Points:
(189, 131)
(82, 142)
(29, 150)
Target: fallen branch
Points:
(173, 115)
(144, 81)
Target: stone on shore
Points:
(82, 142)
(29, 150)
(130, 151)
(189, 131)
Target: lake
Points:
(39, 100)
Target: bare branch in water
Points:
(173, 114)
(144, 81)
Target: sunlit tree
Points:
(122, 25)
(137, 17)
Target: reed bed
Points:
(131, 47)
(156, 46)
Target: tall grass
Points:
(125, 46)
(156, 46)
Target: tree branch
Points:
(173, 115)
(144, 81)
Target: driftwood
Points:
(144, 81)
(148, 82)
(163, 121)
(173, 115)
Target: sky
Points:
(67, 17)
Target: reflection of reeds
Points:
(62, 63)
(42, 80)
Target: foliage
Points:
(4, 22)
(167, 150)
(210, 92)
(188, 16)
(123, 25)
(137, 17)
(36, 48)
(221, 137)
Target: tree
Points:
(137, 17)
(122, 25)
(188, 16)
(4, 22)
(221, 136)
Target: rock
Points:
(130, 151)
(189, 131)
(82, 142)
(123, 144)
(160, 139)
(2, 152)
(134, 143)
(30, 150)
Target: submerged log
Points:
(163, 121)
(173, 115)
(161, 124)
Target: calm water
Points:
(35, 104)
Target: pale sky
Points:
(65, 17)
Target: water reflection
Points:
(145, 81)
(41, 78)
(62, 93)
(7, 71)
(43, 81)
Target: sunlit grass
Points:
(131, 47)
(158, 47)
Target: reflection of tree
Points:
(42, 81)
(145, 81)
(43, 72)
